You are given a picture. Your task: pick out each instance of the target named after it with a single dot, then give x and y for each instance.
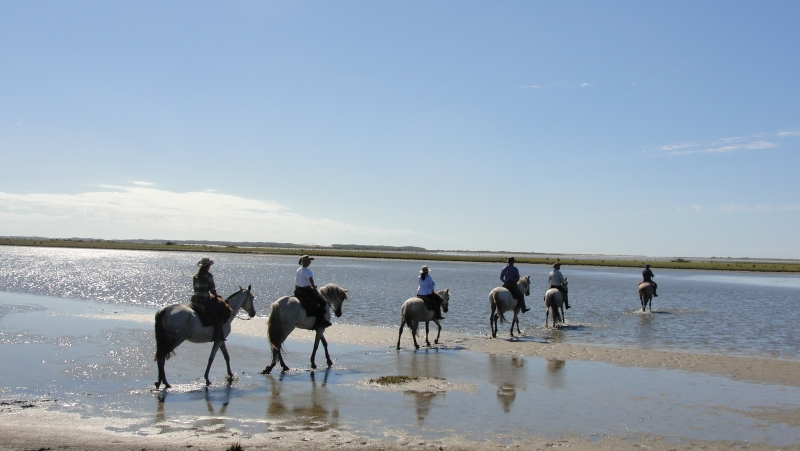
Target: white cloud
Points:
(144, 212)
(697, 207)
(585, 85)
(787, 134)
(723, 145)
(739, 208)
(530, 87)
(143, 183)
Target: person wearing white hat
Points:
(556, 280)
(305, 288)
(427, 292)
(648, 275)
(205, 295)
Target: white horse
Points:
(554, 301)
(287, 313)
(646, 295)
(177, 322)
(501, 301)
(414, 311)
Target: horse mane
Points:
(333, 287)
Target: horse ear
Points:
(447, 290)
(248, 288)
(345, 290)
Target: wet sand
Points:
(316, 408)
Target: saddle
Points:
(208, 315)
(643, 283)
(428, 303)
(310, 304)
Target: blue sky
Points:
(652, 128)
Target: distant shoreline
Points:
(719, 264)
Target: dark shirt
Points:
(510, 274)
(648, 275)
(203, 284)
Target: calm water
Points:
(718, 312)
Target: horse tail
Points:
(495, 305)
(275, 328)
(164, 348)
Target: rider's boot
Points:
(522, 306)
(437, 312)
(322, 322)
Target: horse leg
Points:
(427, 342)
(284, 367)
(211, 360)
(402, 325)
(547, 317)
(414, 335)
(162, 375)
(512, 322)
(227, 360)
(439, 332)
(493, 322)
(325, 348)
(314, 351)
(516, 317)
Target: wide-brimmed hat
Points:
(510, 260)
(205, 261)
(556, 264)
(646, 266)
(424, 270)
(304, 259)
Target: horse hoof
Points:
(208, 383)
(266, 370)
(330, 364)
(158, 384)
(286, 368)
(436, 342)
(313, 366)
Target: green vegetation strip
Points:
(393, 380)
(717, 265)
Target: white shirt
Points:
(425, 286)
(301, 279)
(556, 278)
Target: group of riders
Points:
(211, 306)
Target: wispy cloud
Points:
(759, 141)
(530, 87)
(742, 208)
(697, 207)
(143, 183)
(146, 212)
(585, 85)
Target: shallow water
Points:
(700, 311)
(66, 359)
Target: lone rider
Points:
(557, 281)
(510, 276)
(305, 288)
(427, 292)
(205, 296)
(648, 275)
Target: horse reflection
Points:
(306, 410)
(554, 378)
(423, 401)
(508, 374)
(216, 419)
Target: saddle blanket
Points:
(208, 315)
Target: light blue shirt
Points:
(425, 286)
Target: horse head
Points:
(525, 284)
(247, 303)
(445, 294)
(335, 295)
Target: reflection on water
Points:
(314, 409)
(508, 374)
(701, 311)
(555, 376)
(423, 402)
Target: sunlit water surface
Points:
(702, 311)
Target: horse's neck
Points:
(235, 302)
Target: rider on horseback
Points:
(305, 289)
(510, 276)
(557, 281)
(206, 299)
(648, 275)
(427, 293)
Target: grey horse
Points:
(286, 313)
(646, 295)
(501, 301)
(554, 301)
(414, 311)
(176, 323)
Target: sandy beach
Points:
(34, 426)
